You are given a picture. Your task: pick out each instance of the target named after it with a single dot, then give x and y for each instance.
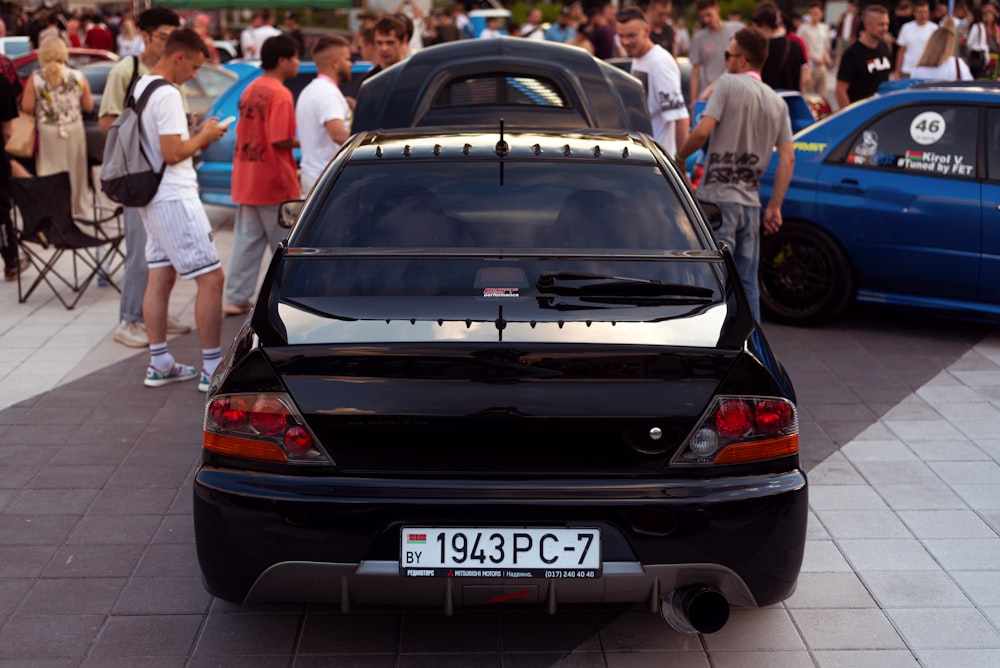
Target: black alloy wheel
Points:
(805, 277)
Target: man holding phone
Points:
(264, 170)
(155, 26)
(179, 235)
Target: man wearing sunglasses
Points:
(746, 119)
(660, 76)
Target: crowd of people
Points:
(735, 66)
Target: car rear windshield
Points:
(517, 205)
(604, 223)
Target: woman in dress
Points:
(939, 62)
(58, 95)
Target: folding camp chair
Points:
(49, 231)
(100, 217)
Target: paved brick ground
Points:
(97, 563)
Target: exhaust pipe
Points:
(695, 609)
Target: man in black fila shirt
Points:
(867, 63)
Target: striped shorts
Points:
(179, 235)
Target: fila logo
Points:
(879, 65)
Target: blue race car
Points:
(216, 167)
(893, 200)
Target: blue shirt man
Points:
(561, 30)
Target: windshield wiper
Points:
(583, 283)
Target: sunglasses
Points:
(732, 55)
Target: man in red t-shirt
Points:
(99, 36)
(264, 171)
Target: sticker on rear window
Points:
(927, 128)
(501, 293)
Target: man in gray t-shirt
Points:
(708, 47)
(746, 120)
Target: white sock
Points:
(159, 358)
(210, 359)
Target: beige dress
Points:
(62, 142)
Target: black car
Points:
(492, 366)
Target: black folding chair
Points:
(101, 215)
(48, 231)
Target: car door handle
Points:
(848, 185)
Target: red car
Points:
(27, 63)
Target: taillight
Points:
(265, 427)
(740, 429)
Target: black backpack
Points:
(127, 176)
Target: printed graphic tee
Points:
(864, 69)
(751, 119)
(264, 175)
(661, 77)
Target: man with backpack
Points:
(179, 235)
(155, 26)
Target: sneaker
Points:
(205, 381)
(235, 309)
(12, 274)
(131, 334)
(175, 326)
(157, 378)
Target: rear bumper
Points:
(264, 537)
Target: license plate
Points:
(483, 552)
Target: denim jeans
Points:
(256, 233)
(741, 232)
(136, 272)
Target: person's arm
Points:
(113, 99)
(782, 179)
(682, 128)
(337, 130)
(175, 149)
(694, 85)
(28, 97)
(899, 61)
(697, 138)
(841, 94)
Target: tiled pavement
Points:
(900, 423)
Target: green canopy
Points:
(254, 4)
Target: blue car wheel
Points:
(805, 276)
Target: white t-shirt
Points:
(319, 103)
(261, 35)
(529, 31)
(246, 43)
(164, 115)
(661, 77)
(944, 72)
(914, 38)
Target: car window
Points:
(214, 82)
(532, 205)
(993, 144)
(493, 89)
(935, 140)
(519, 204)
(96, 77)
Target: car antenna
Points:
(501, 149)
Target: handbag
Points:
(22, 137)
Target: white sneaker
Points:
(131, 334)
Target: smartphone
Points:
(225, 123)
